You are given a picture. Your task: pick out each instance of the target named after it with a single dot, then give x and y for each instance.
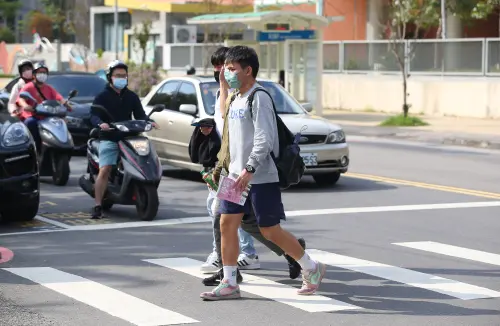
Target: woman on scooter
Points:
(25, 69)
(40, 91)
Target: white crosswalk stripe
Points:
(453, 251)
(141, 312)
(111, 301)
(261, 287)
(435, 283)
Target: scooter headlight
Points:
(15, 135)
(148, 127)
(122, 128)
(141, 146)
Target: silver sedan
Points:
(187, 99)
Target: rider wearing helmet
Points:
(120, 103)
(25, 69)
(40, 91)
(190, 70)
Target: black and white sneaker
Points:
(293, 266)
(212, 264)
(97, 213)
(215, 279)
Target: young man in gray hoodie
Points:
(253, 136)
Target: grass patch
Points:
(401, 121)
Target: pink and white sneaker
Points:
(311, 281)
(224, 291)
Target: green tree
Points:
(6, 35)
(8, 10)
(141, 36)
(400, 14)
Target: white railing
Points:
(428, 57)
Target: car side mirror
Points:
(307, 106)
(190, 109)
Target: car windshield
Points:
(86, 85)
(285, 103)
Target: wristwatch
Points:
(250, 168)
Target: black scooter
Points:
(57, 143)
(137, 175)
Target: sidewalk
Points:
(481, 133)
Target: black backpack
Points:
(289, 163)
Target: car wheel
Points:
(26, 212)
(325, 180)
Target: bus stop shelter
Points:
(300, 52)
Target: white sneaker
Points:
(245, 262)
(212, 264)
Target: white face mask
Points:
(42, 78)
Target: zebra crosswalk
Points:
(138, 311)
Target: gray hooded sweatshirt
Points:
(253, 137)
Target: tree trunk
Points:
(144, 54)
(406, 108)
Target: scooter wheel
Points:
(147, 202)
(61, 171)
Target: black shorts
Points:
(265, 199)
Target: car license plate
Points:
(310, 159)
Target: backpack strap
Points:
(39, 91)
(250, 106)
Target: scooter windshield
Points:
(50, 107)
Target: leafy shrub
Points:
(142, 78)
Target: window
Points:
(108, 30)
(186, 95)
(165, 95)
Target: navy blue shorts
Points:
(265, 199)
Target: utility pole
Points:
(116, 29)
(443, 19)
(59, 36)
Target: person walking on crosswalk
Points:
(252, 137)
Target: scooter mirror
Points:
(26, 96)
(158, 108)
(73, 93)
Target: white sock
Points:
(230, 274)
(307, 264)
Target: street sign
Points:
(282, 36)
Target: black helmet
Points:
(113, 65)
(23, 63)
(190, 70)
(38, 66)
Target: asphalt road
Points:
(398, 233)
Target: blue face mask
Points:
(120, 83)
(232, 79)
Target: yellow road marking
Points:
(456, 190)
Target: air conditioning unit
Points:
(184, 33)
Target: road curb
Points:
(422, 136)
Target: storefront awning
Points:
(257, 20)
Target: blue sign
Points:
(282, 36)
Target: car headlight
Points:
(122, 128)
(141, 146)
(74, 122)
(15, 135)
(336, 137)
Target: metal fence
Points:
(432, 57)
